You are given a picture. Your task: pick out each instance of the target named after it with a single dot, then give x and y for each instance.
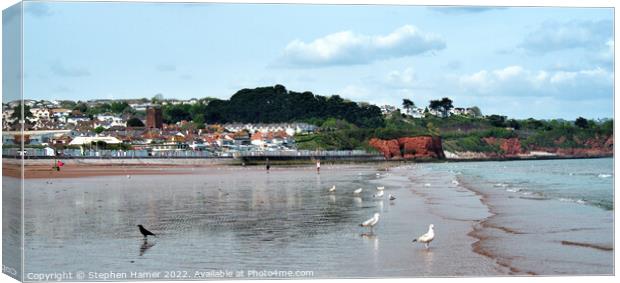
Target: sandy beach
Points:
(218, 217)
(253, 220)
(76, 168)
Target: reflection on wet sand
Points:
(427, 254)
(283, 220)
(145, 246)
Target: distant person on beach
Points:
(58, 165)
(268, 165)
(318, 166)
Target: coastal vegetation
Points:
(347, 125)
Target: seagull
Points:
(358, 191)
(392, 197)
(371, 222)
(380, 188)
(428, 237)
(332, 189)
(379, 194)
(145, 232)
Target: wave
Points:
(599, 175)
(579, 201)
(514, 190)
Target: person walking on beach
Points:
(268, 165)
(318, 166)
(57, 165)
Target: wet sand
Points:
(76, 168)
(237, 218)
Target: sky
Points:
(520, 62)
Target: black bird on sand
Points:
(145, 232)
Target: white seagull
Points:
(332, 189)
(358, 191)
(426, 238)
(392, 197)
(380, 188)
(371, 222)
(379, 194)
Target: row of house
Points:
(224, 138)
(417, 112)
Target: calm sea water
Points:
(552, 217)
(583, 181)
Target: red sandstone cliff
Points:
(599, 146)
(421, 147)
(510, 147)
(428, 147)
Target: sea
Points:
(548, 217)
(582, 181)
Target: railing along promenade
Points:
(37, 153)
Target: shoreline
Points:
(90, 167)
(441, 194)
(508, 226)
(476, 232)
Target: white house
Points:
(107, 121)
(75, 119)
(89, 140)
(60, 114)
(40, 114)
(140, 106)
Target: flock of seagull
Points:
(425, 239)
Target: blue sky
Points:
(519, 62)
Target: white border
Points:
(555, 3)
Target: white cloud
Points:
(606, 55)
(518, 81)
(508, 72)
(349, 48)
(404, 78)
(553, 36)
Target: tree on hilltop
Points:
(581, 122)
(408, 105)
(444, 105)
(476, 111)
